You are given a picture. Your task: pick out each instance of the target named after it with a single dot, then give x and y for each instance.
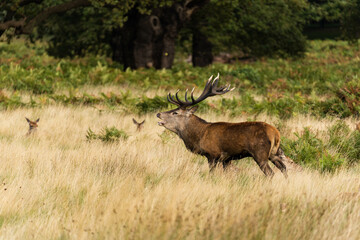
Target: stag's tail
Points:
(281, 154)
(275, 143)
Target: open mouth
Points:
(161, 123)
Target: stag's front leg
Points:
(212, 163)
(226, 163)
(224, 159)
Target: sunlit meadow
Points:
(59, 183)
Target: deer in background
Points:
(221, 142)
(32, 125)
(139, 126)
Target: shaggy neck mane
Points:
(193, 132)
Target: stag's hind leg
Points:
(276, 160)
(262, 160)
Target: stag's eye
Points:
(174, 113)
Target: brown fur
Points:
(139, 126)
(222, 142)
(32, 126)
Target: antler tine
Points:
(210, 89)
(171, 100)
(186, 99)
(216, 80)
(174, 99)
(230, 89)
(192, 95)
(227, 89)
(178, 100)
(207, 92)
(224, 89)
(219, 90)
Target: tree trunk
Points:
(117, 51)
(201, 50)
(149, 40)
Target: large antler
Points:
(211, 89)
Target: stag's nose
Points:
(158, 115)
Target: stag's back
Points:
(244, 136)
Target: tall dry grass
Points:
(56, 185)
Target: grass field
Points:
(60, 184)
(57, 185)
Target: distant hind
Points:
(32, 125)
(139, 126)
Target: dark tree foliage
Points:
(328, 10)
(143, 33)
(258, 28)
(137, 33)
(76, 33)
(350, 21)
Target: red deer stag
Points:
(221, 142)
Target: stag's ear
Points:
(192, 110)
(27, 119)
(37, 120)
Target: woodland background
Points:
(87, 67)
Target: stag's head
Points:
(176, 120)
